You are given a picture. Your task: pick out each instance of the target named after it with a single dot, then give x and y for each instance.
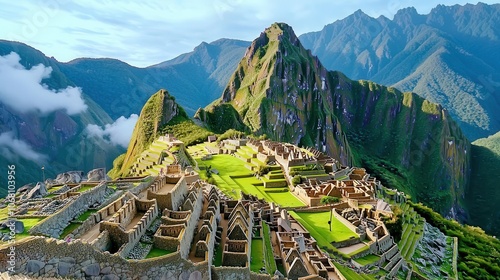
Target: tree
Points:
(330, 200)
(297, 179)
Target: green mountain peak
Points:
(281, 90)
(160, 110)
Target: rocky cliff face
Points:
(159, 110)
(281, 90)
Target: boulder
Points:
(97, 174)
(64, 268)
(106, 270)
(38, 191)
(110, 277)
(18, 226)
(33, 266)
(25, 188)
(22, 211)
(92, 269)
(68, 260)
(70, 177)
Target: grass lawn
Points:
(352, 275)
(368, 259)
(156, 252)
(69, 229)
(85, 188)
(218, 256)
(257, 255)
(234, 177)
(268, 250)
(83, 217)
(319, 221)
(28, 224)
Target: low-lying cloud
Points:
(117, 133)
(22, 89)
(12, 148)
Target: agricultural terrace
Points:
(234, 177)
(28, 223)
(413, 230)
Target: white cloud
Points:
(12, 148)
(22, 89)
(117, 133)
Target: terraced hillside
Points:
(153, 159)
(413, 229)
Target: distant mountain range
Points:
(111, 89)
(449, 56)
(195, 78)
(56, 140)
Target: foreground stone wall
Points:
(56, 258)
(237, 273)
(55, 224)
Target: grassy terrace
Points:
(28, 224)
(69, 229)
(257, 255)
(352, 275)
(368, 259)
(319, 223)
(156, 252)
(85, 188)
(268, 249)
(413, 228)
(83, 217)
(218, 256)
(233, 177)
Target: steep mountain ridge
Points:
(159, 110)
(483, 193)
(195, 78)
(405, 51)
(281, 90)
(60, 137)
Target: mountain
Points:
(159, 110)
(194, 78)
(280, 89)
(56, 140)
(484, 189)
(448, 56)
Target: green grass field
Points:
(268, 249)
(368, 259)
(85, 188)
(156, 252)
(83, 217)
(28, 224)
(233, 177)
(218, 256)
(319, 222)
(257, 255)
(69, 229)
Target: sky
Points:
(143, 33)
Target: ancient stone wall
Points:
(56, 258)
(175, 198)
(55, 224)
(345, 222)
